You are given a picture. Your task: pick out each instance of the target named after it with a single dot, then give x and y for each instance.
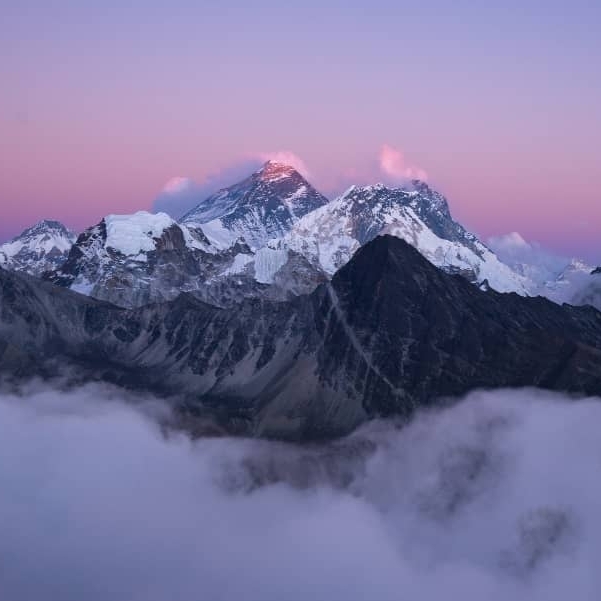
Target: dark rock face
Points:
(430, 334)
(596, 271)
(389, 334)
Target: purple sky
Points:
(103, 102)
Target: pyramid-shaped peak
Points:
(274, 170)
(46, 226)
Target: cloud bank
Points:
(527, 256)
(495, 498)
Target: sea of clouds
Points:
(496, 498)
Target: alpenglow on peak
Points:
(261, 207)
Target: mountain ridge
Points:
(41, 247)
(390, 333)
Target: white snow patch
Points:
(133, 234)
(83, 287)
(219, 236)
(238, 264)
(268, 261)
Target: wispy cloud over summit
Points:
(394, 165)
(180, 194)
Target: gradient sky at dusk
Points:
(102, 103)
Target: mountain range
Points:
(268, 310)
(40, 248)
(273, 236)
(388, 334)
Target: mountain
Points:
(42, 247)
(331, 234)
(390, 333)
(133, 260)
(263, 206)
(273, 236)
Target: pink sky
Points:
(103, 103)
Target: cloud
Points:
(181, 194)
(528, 258)
(494, 498)
(394, 165)
(288, 158)
(388, 166)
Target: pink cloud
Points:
(287, 157)
(394, 165)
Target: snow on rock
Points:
(268, 261)
(331, 234)
(218, 235)
(42, 247)
(134, 234)
(261, 207)
(238, 264)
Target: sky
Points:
(498, 104)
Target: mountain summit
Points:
(263, 206)
(330, 235)
(41, 247)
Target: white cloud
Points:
(178, 184)
(288, 158)
(529, 258)
(495, 498)
(394, 165)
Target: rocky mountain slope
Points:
(133, 260)
(388, 334)
(42, 247)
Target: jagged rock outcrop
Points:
(135, 260)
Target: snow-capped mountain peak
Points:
(133, 234)
(275, 170)
(330, 235)
(263, 206)
(41, 247)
